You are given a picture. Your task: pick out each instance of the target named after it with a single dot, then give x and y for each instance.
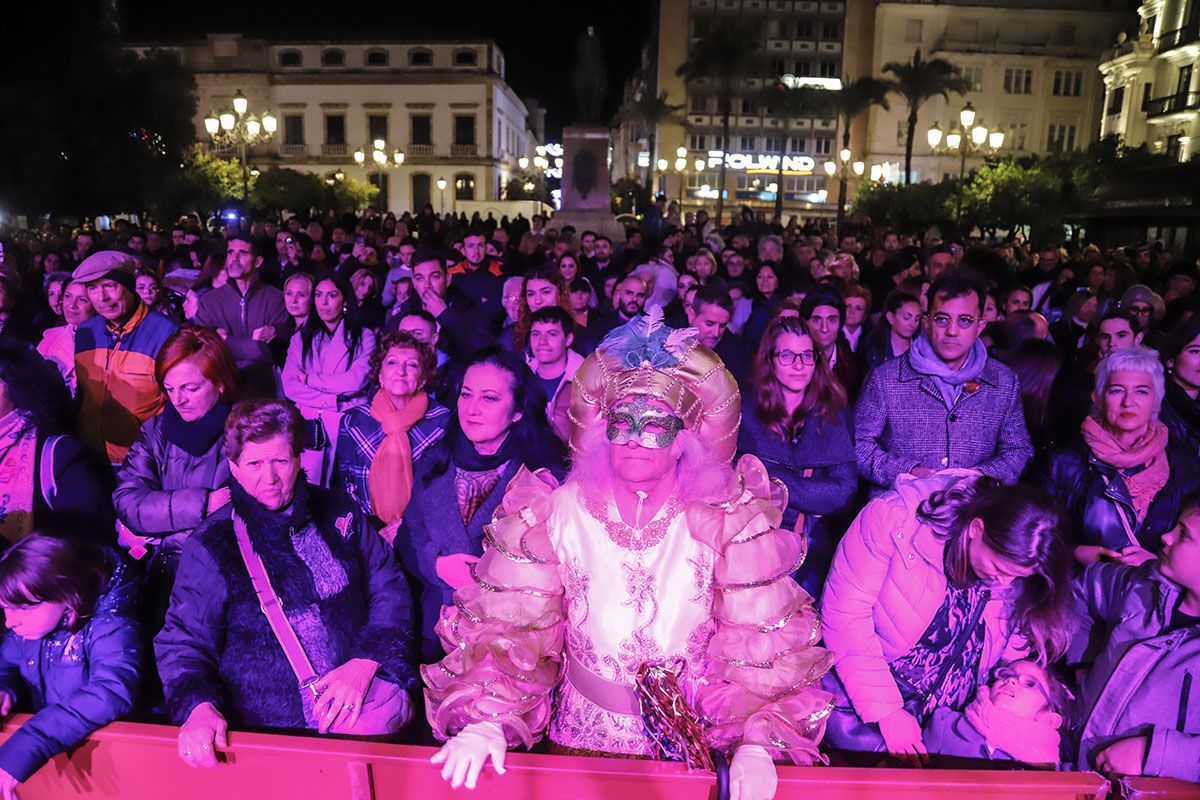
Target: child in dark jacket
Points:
(1013, 719)
(71, 654)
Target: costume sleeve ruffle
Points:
(762, 680)
(503, 634)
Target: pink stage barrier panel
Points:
(131, 761)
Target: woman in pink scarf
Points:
(1123, 479)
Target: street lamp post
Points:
(843, 167)
(379, 155)
(239, 128)
(441, 184)
(968, 139)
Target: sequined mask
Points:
(641, 421)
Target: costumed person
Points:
(656, 577)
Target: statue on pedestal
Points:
(590, 79)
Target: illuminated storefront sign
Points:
(792, 165)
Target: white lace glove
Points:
(465, 754)
(752, 774)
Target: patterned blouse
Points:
(472, 488)
(942, 668)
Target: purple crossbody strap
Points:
(272, 608)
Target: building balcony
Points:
(335, 150)
(463, 150)
(293, 151)
(420, 150)
(1172, 104)
(1179, 37)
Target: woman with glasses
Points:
(795, 421)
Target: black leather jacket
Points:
(1094, 505)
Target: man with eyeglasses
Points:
(1147, 306)
(945, 403)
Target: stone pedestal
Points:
(585, 183)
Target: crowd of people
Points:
(862, 496)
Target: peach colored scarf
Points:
(390, 477)
(1149, 451)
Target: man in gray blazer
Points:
(945, 403)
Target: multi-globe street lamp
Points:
(243, 130)
(379, 155)
(970, 138)
(843, 168)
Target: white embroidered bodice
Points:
(631, 596)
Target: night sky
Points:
(537, 36)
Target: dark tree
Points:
(88, 126)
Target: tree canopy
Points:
(88, 126)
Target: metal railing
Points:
(1172, 104)
(1179, 37)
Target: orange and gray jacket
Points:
(114, 366)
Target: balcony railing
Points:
(420, 150)
(335, 150)
(293, 150)
(1179, 37)
(461, 150)
(1173, 104)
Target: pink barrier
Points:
(132, 761)
(1158, 789)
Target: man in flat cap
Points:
(114, 355)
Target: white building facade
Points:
(1032, 65)
(443, 104)
(1151, 81)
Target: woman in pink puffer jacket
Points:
(933, 583)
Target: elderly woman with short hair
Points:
(378, 445)
(1123, 479)
(319, 639)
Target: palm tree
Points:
(917, 81)
(648, 112)
(856, 97)
(725, 57)
(786, 104)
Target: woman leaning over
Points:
(1123, 478)
(176, 473)
(794, 420)
(324, 574)
(379, 444)
(933, 583)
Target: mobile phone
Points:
(360, 240)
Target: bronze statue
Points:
(590, 78)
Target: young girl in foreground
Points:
(71, 652)
(1014, 719)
